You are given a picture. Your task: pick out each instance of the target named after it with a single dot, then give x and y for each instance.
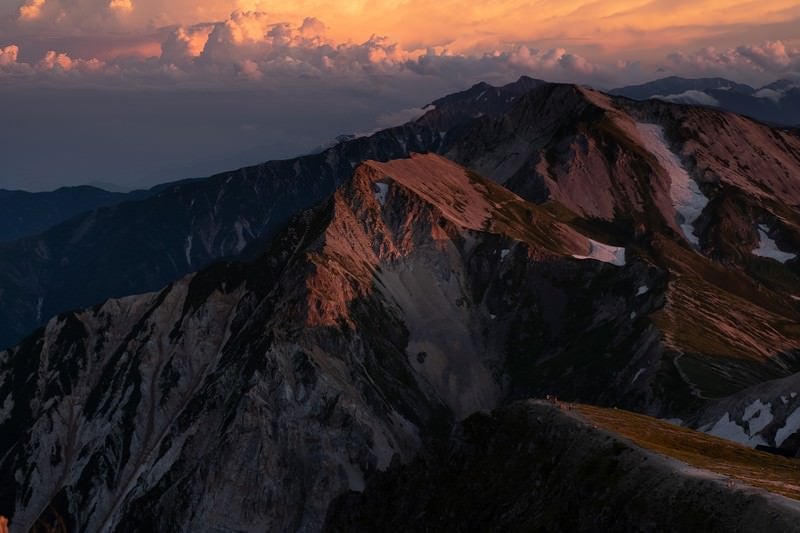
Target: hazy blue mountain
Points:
(25, 213)
(673, 85)
(777, 103)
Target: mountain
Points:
(642, 255)
(674, 85)
(777, 103)
(140, 246)
(653, 176)
(533, 466)
(292, 377)
(26, 213)
(250, 395)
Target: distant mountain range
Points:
(26, 213)
(777, 103)
(321, 332)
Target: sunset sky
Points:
(139, 91)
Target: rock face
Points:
(532, 467)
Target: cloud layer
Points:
(186, 87)
(607, 42)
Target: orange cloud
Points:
(564, 40)
(31, 10)
(603, 26)
(121, 6)
(8, 55)
(61, 62)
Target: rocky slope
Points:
(534, 467)
(246, 396)
(653, 176)
(140, 246)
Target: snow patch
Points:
(791, 425)
(768, 248)
(605, 253)
(636, 376)
(381, 190)
(39, 305)
(633, 315)
(8, 407)
(728, 429)
(758, 415)
(644, 289)
(687, 198)
(504, 253)
(355, 477)
(241, 242)
(675, 421)
(187, 250)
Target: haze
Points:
(135, 92)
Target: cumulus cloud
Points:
(31, 10)
(553, 59)
(249, 47)
(60, 62)
(772, 56)
(185, 43)
(8, 55)
(9, 62)
(762, 62)
(121, 6)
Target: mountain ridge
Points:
(416, 294)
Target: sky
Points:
(137, 92)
